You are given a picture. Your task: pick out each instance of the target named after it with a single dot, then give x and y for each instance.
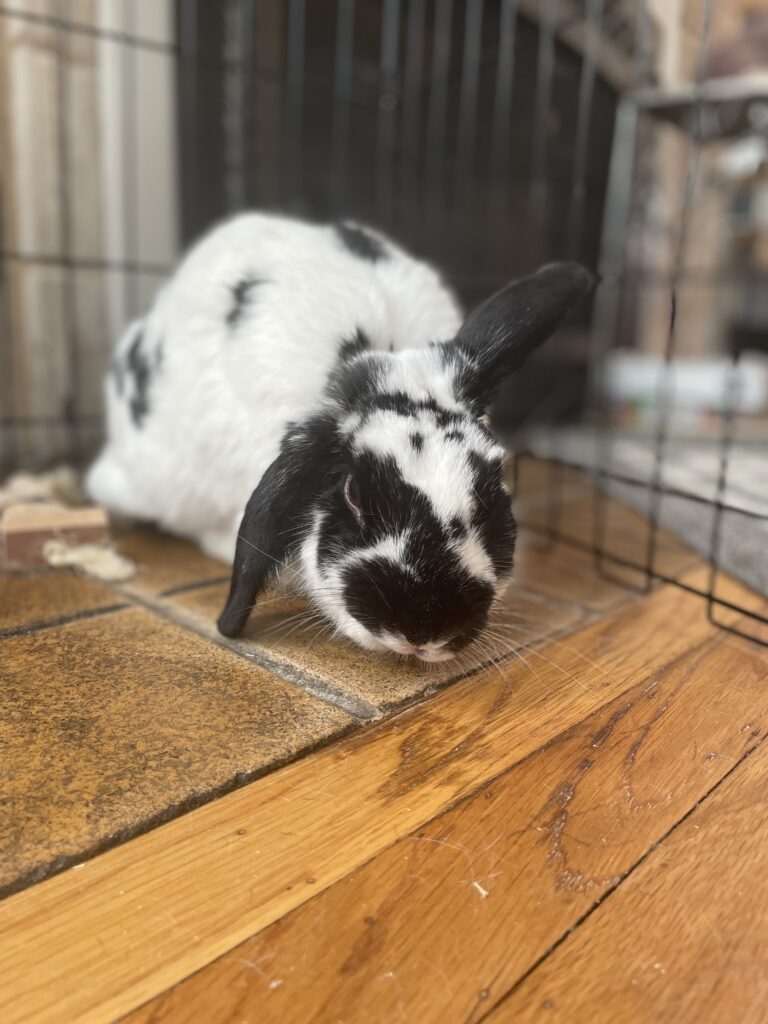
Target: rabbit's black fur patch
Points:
(139, 366)
(354, 346)
(360, 242)
(242, 293)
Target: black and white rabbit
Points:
(306, 399)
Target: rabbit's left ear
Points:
(498, 336)
(276, 516)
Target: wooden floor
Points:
(577, 832)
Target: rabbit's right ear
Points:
(277, 515)
(496, 338)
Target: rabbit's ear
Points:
(498, 336)
(277, 516)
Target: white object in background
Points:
(98, 561)
(744, 158)
(698, 385)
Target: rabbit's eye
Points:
(352, 494)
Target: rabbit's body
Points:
(308, 396)
(238, 345)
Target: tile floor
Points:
(122, 707)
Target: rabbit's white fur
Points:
(198, 399)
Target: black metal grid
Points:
(643, 574)
(439, 99)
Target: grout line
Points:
(612, 889)
(127, 591)
(168, 815)
(384, 713)
(308, 682)
(198, 585)
(63, 620)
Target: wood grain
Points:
(684, 938)
(97, 941)
(563, 573)
(442, 924)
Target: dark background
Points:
(383, 131)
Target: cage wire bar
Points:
(613, 273)
(416, 135)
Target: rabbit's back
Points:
(238, 344)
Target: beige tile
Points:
(111, 724)
(165, 562)
(339, 667)
(32, 599)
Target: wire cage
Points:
(488, 136)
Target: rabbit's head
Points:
(389, 500)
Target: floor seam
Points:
(183, 588)
(571, 728)
(166, 816)
(463, 798)
(564, 603)
(62, 620)
(583, 918)
(502, 659)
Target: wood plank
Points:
(626, 530)
(625, 538)
(440, 925)
(96, 942)
(684, 938)
(563, 573)
(736, 594)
